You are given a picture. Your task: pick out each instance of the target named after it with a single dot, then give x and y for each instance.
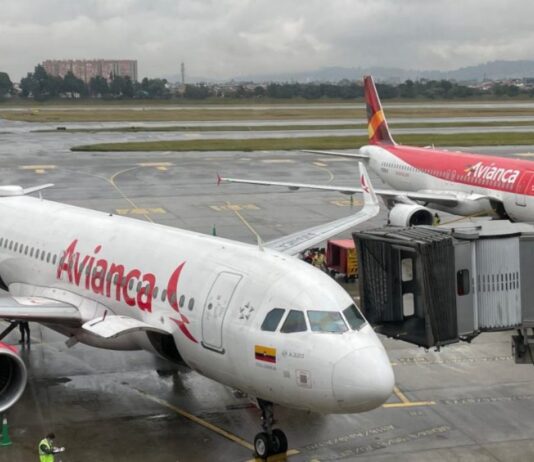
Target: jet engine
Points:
(13, 376)
(410, 215)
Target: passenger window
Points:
(181, 303)
(272, 319)
(155, 293)
(294, 322)
(191, 304)
(354, 317)
(163, 295)
(326, 321)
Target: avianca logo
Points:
(492, 173)
(114, 280)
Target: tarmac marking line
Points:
(246, 223)
(277, 457)
(347, 202)
(111, 181)
(405, 402)
(197, 420)
(37, 167)
(140, 211)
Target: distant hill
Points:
(493, 70)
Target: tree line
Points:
(40, 86)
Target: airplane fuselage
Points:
(508, 181)
(211, 295)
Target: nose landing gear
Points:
(270, 441)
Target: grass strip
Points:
(139, 114)
(260, 128)
(330, 142)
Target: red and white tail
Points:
(377, 124)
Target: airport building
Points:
(87, 69)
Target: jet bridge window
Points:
(326, 321)
(462, 282)
(354, 317)
(271, 321)
(294, 322)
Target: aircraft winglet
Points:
(369, 195)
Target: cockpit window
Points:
(294, 322)
(354, 317)
(326, 321)
(272, 319)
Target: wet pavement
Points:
(467, 402)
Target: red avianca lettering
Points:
(111, 280)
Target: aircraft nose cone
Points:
(363, 379)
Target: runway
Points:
(467, 402)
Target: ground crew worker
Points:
(320, 260)
(24, 329)
(437, 219)
(46, 448)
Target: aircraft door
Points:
(215, 309)
(524, 188)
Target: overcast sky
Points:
(225, 38)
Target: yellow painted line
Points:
(410, 404)
(405, 402)
(111, 181)
(278, 457)
(197, 420)
(162, 168)
(399, 394)
(155, 164)
(327, 170)
(234, 207)
(37, 167)
(140, 211)
(320, 164)
(278, 161)
(526, 154)
(246, 223)
(346, 202)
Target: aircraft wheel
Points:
(262, 445)
(279, 442)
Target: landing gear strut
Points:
(270, 441)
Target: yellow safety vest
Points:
(42, 456)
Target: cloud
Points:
(226, 38)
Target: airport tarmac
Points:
(466, 402)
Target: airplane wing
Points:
(46, 310)
(446, 198)
(297, 242)
(351, 155)
(39, 309)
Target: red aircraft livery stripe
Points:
(497, 173)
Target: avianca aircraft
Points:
(423, 178)
(252, 317)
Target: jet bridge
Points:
(435, 286)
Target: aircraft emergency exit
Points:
(425, 178)
(252, 317)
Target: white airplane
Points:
(422, 178)
(251, 317)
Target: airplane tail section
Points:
(377, 124)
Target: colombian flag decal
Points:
(265, 354)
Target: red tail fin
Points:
(377, 125)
